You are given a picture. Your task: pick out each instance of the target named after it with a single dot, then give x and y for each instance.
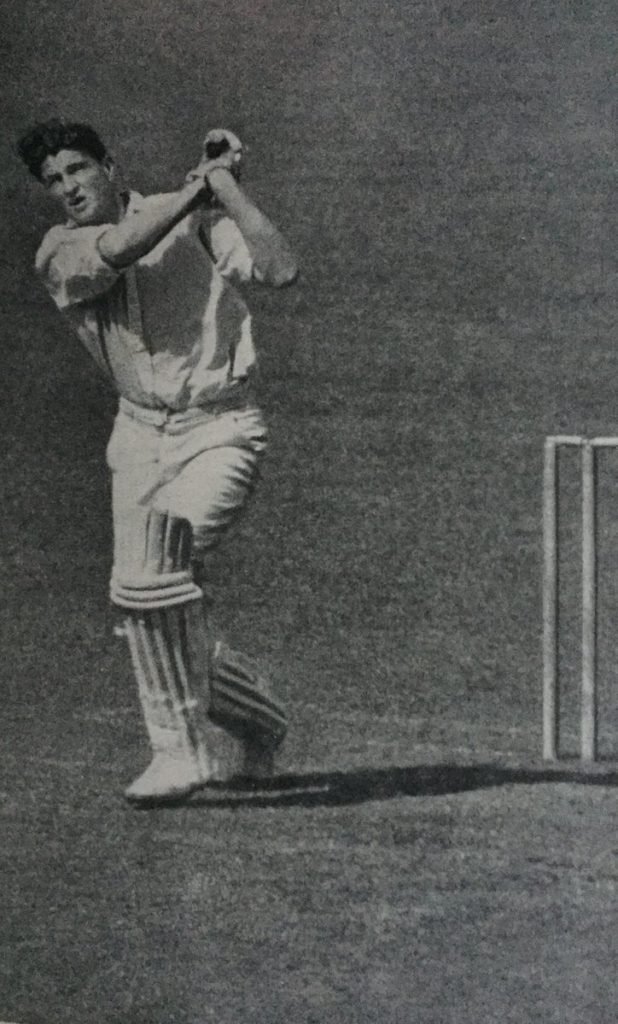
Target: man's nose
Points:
(69, 187)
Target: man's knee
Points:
(153, 564)
(213, 491)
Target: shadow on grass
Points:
(336, 789)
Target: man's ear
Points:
(109, 167)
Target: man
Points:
(149, 286)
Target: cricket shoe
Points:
(176, 772)
(168, 779)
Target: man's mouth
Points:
(78, 203)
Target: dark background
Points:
(446, 174)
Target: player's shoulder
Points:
(50, 242)
(226, 237)
(222, 226)
(229, 249)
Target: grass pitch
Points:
(445, 171)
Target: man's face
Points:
(84, 187)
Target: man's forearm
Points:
(124, 243)
(273, 259)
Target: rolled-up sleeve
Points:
(71, 267)
(232, 257)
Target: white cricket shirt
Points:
(171, 331)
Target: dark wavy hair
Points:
(49, 137)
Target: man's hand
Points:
(221, 143)
(221, 150)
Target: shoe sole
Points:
(165, 799)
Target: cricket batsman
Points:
(150, 286)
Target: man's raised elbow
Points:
(280, 272)
(285, 276)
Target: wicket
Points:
(551, 577)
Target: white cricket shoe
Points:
(174, 773)
(168, 779)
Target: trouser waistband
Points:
(160, 417)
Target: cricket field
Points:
(446, 173)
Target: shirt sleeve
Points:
(71, 267)
(232, 257)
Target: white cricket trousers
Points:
(197, 465)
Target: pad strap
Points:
(161, 592)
